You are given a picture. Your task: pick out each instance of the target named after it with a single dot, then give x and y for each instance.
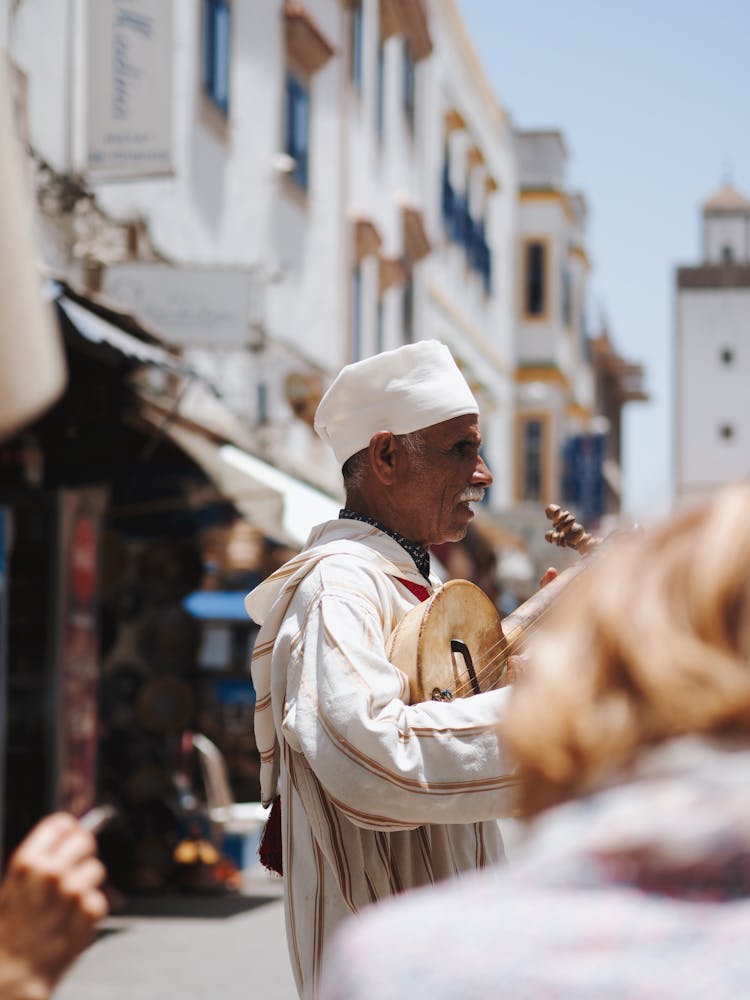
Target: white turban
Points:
(400, 391)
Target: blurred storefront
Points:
(114, 535)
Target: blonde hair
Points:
(650, 642)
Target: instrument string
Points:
(567, 533)
(487, 665)
(498, 652)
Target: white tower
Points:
(712, 354)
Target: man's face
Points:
(440, 483)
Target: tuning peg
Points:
(567, 532)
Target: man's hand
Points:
(50, 903)
(548, 577)
(518, 663)
(515, 667)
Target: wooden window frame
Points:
(546, 294)
(542, 417)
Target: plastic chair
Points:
(226, 815)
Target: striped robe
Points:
(377, 796)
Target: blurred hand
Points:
(50, 904)
(516, 666)
(518, 663)
(549, 576)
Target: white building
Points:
(281, 188)
(712, 354)
(319, 182)
(555, 385)
(470, 175)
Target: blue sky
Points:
(654, 101)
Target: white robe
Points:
(377, 795)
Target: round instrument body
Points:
(450, 646)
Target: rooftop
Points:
(727, 199)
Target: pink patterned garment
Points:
(641, 891)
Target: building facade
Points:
(338, 179)
(554, 381)
(235, 199)
(618, 382)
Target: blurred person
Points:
(50, 904)
(50, 901)
(631, 731)
(32, 361)
(377, 795)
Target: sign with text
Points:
(189, 306)
(129, 88)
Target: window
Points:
(356, 44)
(297, 128)
(535, 291)
(727, 254)
(380, 92)
(479, 253)
(583, 484)
(357, 313)
(483, 257)
(379, 327)
(262, 403)
(461, 225)
(448, 194)
(531, 445)
(408, 84)
(727, 356)
(216, 39)
(407, 310)
(726, 432)
(567, 303)
(487, 269)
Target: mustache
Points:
(474, 494)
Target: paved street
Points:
(189, 947)
(196, 947)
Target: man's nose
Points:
(481, 475)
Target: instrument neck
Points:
(519, 623)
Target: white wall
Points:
(40, 38)
(732, 231)
(539, 340)
(542, 159)
(709, 393)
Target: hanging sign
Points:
(129, 88)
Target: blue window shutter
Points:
(297, 128)
(217, 31)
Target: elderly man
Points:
(376, 795)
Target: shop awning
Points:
(217, 605)
(281, 506)
(95, 329)
(99, 331)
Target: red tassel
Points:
(269, 851)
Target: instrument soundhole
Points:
(458, 646)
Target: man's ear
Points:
(382, 451)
